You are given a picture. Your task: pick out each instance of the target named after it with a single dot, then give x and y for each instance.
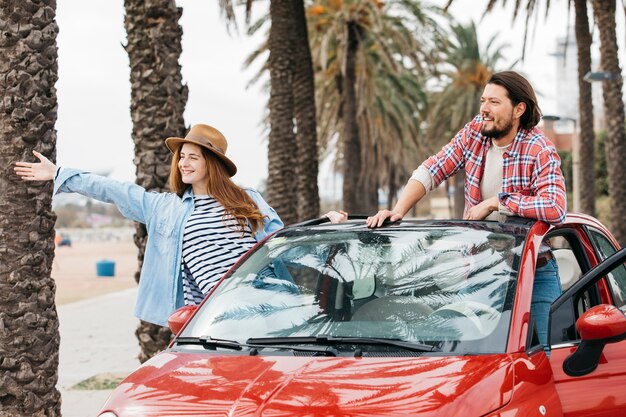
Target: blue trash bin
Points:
(105, 268)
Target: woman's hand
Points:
(337, 216)
(36, 171)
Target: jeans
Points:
(546, 289)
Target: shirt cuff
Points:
(422, 175)
(503, 213)
(502, 209)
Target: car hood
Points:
(210, 384)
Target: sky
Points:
(94, 125)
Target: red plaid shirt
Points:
(532, 182)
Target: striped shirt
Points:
(212, 243)
(532, 182)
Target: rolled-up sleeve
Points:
(422, 175)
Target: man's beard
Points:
(495, 132)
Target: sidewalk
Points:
(97, 336)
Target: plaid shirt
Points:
(532, 182)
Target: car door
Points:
(600, 393)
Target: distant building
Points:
(562, 140)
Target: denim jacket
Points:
(164, 214)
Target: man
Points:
(511, 169)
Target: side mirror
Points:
(178, 318)
(598, 326)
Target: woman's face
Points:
(192, 166)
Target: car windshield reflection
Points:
(450, 287)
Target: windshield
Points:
(449, 287)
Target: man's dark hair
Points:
(519, 90)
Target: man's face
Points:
(497, 112)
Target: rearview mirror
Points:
(178, 318)
(598, 326)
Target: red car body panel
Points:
(521, 309)
(601, 393)
(202, 385)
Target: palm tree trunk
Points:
(586, 136)
(281, 181)
(351, 140)
(604, 12)
(308, 204)
(29, 325)
(158, 100)
(459, 195)
(392, 187)
(367, 190)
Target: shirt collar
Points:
(188, 194)
(514, 151)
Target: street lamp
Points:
(601, 76)
(575, 156)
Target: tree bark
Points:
(351, 140)
(392, 187)
(308, 204)
(282, 148)
(29, 325)
(158, 100)
(604, 12)
(459, 195)
(586, 136)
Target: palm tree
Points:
(586, 136)
(308, 203)
(281, 184)
(369, 57)
(458, 98)
(29, 339)
(158, 100)
(615, 144)
(292, 149)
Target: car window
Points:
(572, 264)
(450, 287)
(616, 278)
(569, 267)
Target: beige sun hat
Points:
(209, 138)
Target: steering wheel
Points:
(480, 316)
(405, 309)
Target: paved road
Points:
(97, 336)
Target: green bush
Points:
(602, 173)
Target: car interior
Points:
(572, 261)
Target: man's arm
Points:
(441, 166)
(548, 202)
(413, 192)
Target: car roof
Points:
(513, 225)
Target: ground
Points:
(74, 269)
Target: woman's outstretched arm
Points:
(133, 201)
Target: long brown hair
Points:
(235, 200)
(519, 90)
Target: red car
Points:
(424, 318)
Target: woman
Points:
(195, 233)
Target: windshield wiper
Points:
(415, 347)
(209, 342)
